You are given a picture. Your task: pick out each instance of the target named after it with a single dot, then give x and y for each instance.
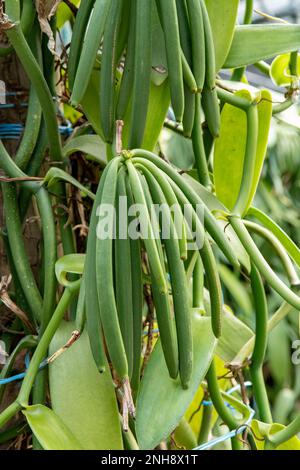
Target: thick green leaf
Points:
(159, 103)
(229, 153)
(235, 334)
(50, 430)
(259, 42)
(57, 174)
(161, 401)
(231, 145)
(223, 15)
(279, 358)
(263, 430)
(91, 145)
(69, 264)
(177, 149)
(91, 102)
(237, 289)
(83, 398)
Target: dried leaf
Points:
(46, 9)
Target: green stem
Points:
(33, 169)
(279, 249)
(13, 171)
(279, 108)
(205, 424)
(37, 79)
(248, 12)
(294, 63)
(266, 271)
(284, 239)
(235, 100)
(28, 342)
(239, 73)
(260, 346)
(284, 435)
(218, 402)
(264, 67)
(41, 350)
(9, 413)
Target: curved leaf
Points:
(82, 397)
(259, 42)
(69, 264)
(57, 174)
(161, 401)
(92, 145)
(49, 429)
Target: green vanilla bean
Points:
(214, 287)
(279, 249)
(41, 350)
(221, 408)
(161, 300)
(78, 33)
(141, 71)
(19, 255)
(49, 234)
(49, 254)
(34, 111)
(90, 47)
(184, 29)
(178, 283)
(211, 225)
(260, 346)
(210, 59)
(198, 147)
(105, 277)
(151, 248)
(168, 17)
(172, 200)
(196, 27)
(266, 271)
(31, 67)
(188, 76)
(108, 69)
(198, 284)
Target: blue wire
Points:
(230, 434)
(21, 376)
